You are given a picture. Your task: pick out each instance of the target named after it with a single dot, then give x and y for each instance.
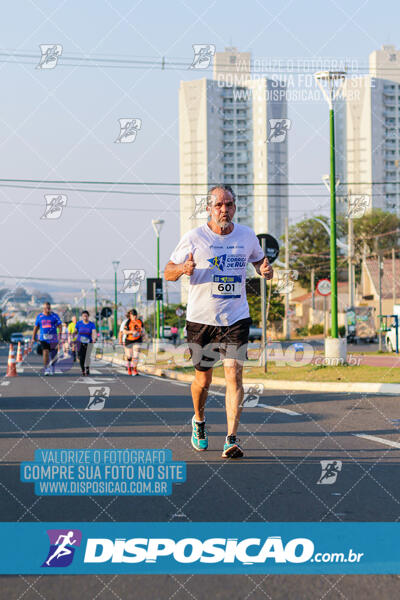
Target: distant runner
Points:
(130, 336)
(49, 323)
(215, 256)
(86, 337)
(71, 341)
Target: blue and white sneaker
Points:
(199, 435)
(232, 448)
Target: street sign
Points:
(106, 312)
(157, 282)
(271, 247)
(324, 287)
(179, 312)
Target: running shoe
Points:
(46, 372)
(129, 371)
(232, 448)
(199, 435)
(134, 372)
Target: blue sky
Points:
(62, 123)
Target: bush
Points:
(341, 331)
(302, 331)
(6, 331)
(316, 329)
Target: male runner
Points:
(48, 322)
(215, 256)
(131, 336)
(86, 336)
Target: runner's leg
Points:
(45, 352)
(234, 394)
(199, 388)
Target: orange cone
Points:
(19, 353)
(26, 350)
(11, 366)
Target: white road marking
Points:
(380, 440)
(5, 383)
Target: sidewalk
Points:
(300, 386)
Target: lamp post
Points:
(94, 283)
(157, 225)
(333, 81)
(115, 265)
(83, 292)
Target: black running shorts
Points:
(209, 343)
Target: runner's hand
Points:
(266, 270)
(189, 265)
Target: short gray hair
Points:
(220, 186)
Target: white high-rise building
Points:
(367, 127)
(233, 129)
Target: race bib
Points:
(226, 286)
(85, 339)
(48, 336)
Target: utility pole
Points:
(394, 276)
(380, 297)
(287, 319)
(313, 293)
(350, 262)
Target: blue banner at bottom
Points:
(85, 548)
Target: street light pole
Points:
(334, 81)
(115, 265)
(94, 282)
(157, 225)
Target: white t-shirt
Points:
(217, 290)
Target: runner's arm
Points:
(94, 335)
(173, 272)
(263, 270)
(35, 330)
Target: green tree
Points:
(367, 228)
(309, 248)
(276, 308)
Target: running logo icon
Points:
(278, 130)
(200, 206)
(63, 543)
(357, 205)
(330, 471)
(50, 55)
(132, 279)
(128, 130)
(54, 206)
(286, 279)
(98, 396)
(203, 54)
(218, 262)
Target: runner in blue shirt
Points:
(86, 336)
(50, 326)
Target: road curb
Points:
(272, 384)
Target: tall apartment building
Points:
(367, 131)
(224, 124)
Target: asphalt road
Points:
(284, 442)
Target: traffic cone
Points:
(26, 350)
(19, 353)
(11, 366)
